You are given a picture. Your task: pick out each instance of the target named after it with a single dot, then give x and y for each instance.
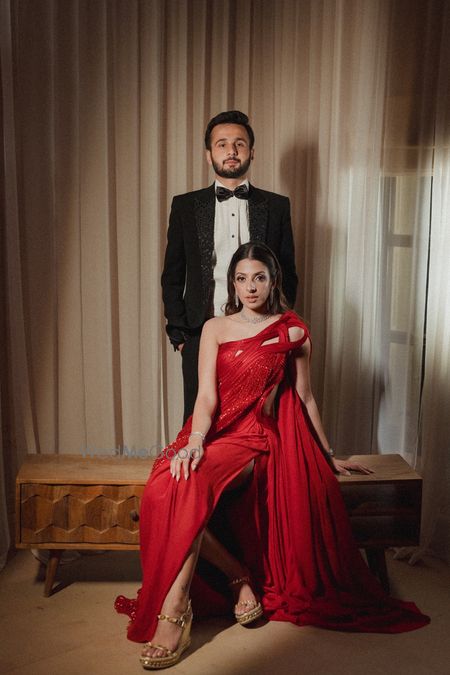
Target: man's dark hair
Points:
(229, 117)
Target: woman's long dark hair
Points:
(256, 250)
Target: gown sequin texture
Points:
(290, 523)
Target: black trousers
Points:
(189, 356)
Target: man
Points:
(206, 227)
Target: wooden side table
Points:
(75, 502)
(384, 507)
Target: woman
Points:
(256, 431)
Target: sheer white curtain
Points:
(435, 436)
(345, 264)
(104, 109)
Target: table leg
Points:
(52, 566)
(377, 565)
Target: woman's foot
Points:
(247, 608)
(171, 638)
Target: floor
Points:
(76, 631)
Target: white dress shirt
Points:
(230, 231)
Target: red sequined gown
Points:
(290, 523)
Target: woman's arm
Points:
(205, 403)
(303, 387)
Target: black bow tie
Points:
(222, 193)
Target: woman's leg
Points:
(175, 603)
(185, 507)
(176, 600)
(215, 553)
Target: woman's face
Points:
(252, 283)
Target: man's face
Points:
(230, 153)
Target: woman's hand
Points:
(179, 464)
(344, 467)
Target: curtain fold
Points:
(104, 106)
(435, 435)
(18, 414)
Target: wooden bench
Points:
(75, 502)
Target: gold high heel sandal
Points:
(255, 609)
(171, 657)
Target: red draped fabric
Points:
(290, 523)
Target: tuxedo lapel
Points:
(257, 214)
(204, 212)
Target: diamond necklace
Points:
(257, 320)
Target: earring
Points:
(236, 300)
(271, 297)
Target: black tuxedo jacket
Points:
(187, 278)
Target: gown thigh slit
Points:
(173, 514)
(289, 519)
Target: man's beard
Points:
(234, 172)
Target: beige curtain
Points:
(435, 430)
(104, 108)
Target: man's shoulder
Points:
(267, 195)
(194, 195)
